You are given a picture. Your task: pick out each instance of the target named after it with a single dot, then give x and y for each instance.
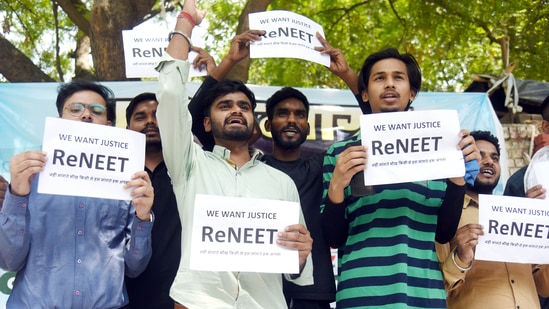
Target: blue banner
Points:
(24, 107)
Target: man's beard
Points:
(154, 142)
(153, 145)
(232, 134)
(484, 188)
(285, 144)
(391, 109)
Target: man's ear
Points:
(545, 126)
(207, 124)
(109, 123)
(267, 125)
(412, 95)
(364, 96)
(308, 129)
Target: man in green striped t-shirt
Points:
(386, 237)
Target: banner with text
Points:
(411, 146)
(516, 230)
(143, 49)
(86, 159)
(239, 234)
(288, 35)
(25, 106)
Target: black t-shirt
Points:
(151, 288)
(515, 183)
(307, 175)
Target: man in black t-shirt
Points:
(287, 120)
(151, 289)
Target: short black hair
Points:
(486, 136)
(145, 96)
(225, 87)
(68, 89)
(545, 109)
(283, 94)
(414, 71)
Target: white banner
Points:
(288, 35)
(143, 49)
(516, 230)
(86, 159)
(239, 234)
(411, 146)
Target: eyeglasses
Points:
(77, 109)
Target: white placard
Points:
(288, 35)
(516, 229)
(541, 172)
(143, 49)
(86, 159)
(411, 146)
(543, 178)
(239, 234)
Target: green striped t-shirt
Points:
(389, 258)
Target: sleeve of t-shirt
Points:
(333, 218)
(453, 276)
(14, 232)
(334, 223)
(450, 212)
(139, 252)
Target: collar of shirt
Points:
(469, 201)
(225, 153)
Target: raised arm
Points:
(340, 67)
(180, 43)
(338, 170)
(338, 64)
(240, 49)
(174, 119)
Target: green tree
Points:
(451, 39)
(42, 27)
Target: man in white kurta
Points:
(195, 171)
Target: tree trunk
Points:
(241, 70)
(76, 10)
(107, 19)
(17, 67)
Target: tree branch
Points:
(77, 12)
(19, 68)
